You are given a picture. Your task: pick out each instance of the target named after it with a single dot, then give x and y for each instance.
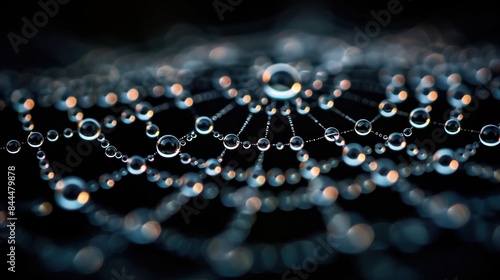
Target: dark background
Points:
(86, 24)
(81, 26)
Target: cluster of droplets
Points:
(279, 91)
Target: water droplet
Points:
(396, 141)
(68, 132)
(275, 177)
(412, 150)
(35, 139)
(44, 164)
(387, 108)
(407, 132)
(150, 158)
(101, 137)
(89, 129)
(280, 146)
(254, 107)
(127, 116)
(104, 143)
(302, 155)
(110, 121)
(52, 135)
(396, 93)
(152, 131)
(426, 95)
(422, 154)
(40, 155)
(363, 127)
(70, 193)
(185, 158)
(340, 141)
(419, 118)
(144, 111)
(331, 134)
(322, 191)
(168, 146)
(444, 161)
(490, 135)
(191, 184)
(13, 146)
(136, 165)
(303, 108)
(204, 125)
(459, 96)
(28, 126)
(271, 110)
(452, 126)
(296, 143)
(140, 227)
(110, 151)
(247, 145)
(75, 114)
(213, 167)
(461, 155)
(380, 148)
(384, 173)
(470, 150)
(231, 141)
(255, 176)
(285, 110)
(325, 101)
(281, 81)
(263, 144)
(353, 154)
(309, 169)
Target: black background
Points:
(130, 23)
(81, 26)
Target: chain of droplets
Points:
(318, 86)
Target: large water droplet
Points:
(396, 141)
(89, 129)
(444, 161)
(231, 141)
(490, 135)
(136, 165)
(452, 126)
(331, 134)
(384, 173)
(204, 125)
(281, 81)
(353, 154)
(191, 184)
(296, 143)
(387, 108)
(13, 146)
(363, 127)
(35, 139)
(419, 118)
(168, 146)
(70, 193)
